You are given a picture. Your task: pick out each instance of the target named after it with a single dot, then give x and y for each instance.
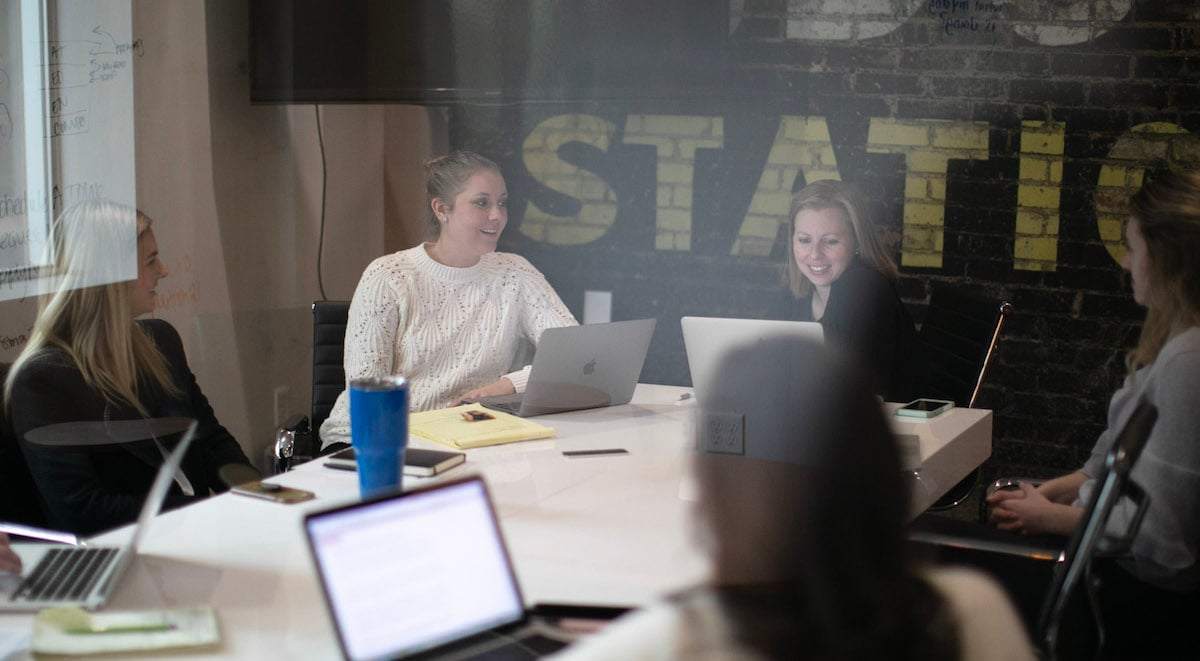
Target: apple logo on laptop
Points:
(589, 367)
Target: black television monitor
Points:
(443, 51)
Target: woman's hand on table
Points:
(500, 387)
(1027, 511)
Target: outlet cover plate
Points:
(723, 432)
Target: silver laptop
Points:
(424, 573)
(708, 339)
(581, 367)
(76, 573)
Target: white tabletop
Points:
(599, 530)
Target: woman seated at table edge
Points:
(401, 319)
(839, 275)
(807, 538)
(1162, 257)
(89, 359)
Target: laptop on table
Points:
(424, 574)
(76, 573)
(580, 367)
(707, 340)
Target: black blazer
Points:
(865, 316)
(87, 489)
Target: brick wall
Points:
(996, 144)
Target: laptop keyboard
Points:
(67, 574)
(523, 645)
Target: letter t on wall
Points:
(927, 145)
(676, 139)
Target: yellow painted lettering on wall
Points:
(597, 200)
(801, 144)
(927, 145)
(676, 139)
(1039, 191)
(1142, 145)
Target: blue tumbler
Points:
(379, 432)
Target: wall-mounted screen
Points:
(442, 51)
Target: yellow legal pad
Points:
(450, 427)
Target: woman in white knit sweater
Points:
(449, 315)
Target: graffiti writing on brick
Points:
(1059, 23)
(966, 16)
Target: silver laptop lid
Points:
(414, 571)
(707, 339)
(582, 367)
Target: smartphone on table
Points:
(275, 492)
(924, 408)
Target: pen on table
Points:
(139, 628)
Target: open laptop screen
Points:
(707, 340)
(414, 571)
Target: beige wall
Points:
(235, 191)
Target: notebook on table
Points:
(707, 340)
(78, 573)
(397, 583)
(581, 367)
(418, 462)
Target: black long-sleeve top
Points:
(90, 488)
(865, 316)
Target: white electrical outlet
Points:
(283, 404)
(723, 433)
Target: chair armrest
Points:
(293, 443)
(1119, 545)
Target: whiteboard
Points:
(66, 126)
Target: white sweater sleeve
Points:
(374, 320)
(541, 309)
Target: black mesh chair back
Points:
(959, 334)
(329, 375)
(1089, 539)
(299, 439)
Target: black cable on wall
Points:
(321, 234)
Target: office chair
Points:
(20, 501)
(960, 335)
(298, 440)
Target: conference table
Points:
(602, 529)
